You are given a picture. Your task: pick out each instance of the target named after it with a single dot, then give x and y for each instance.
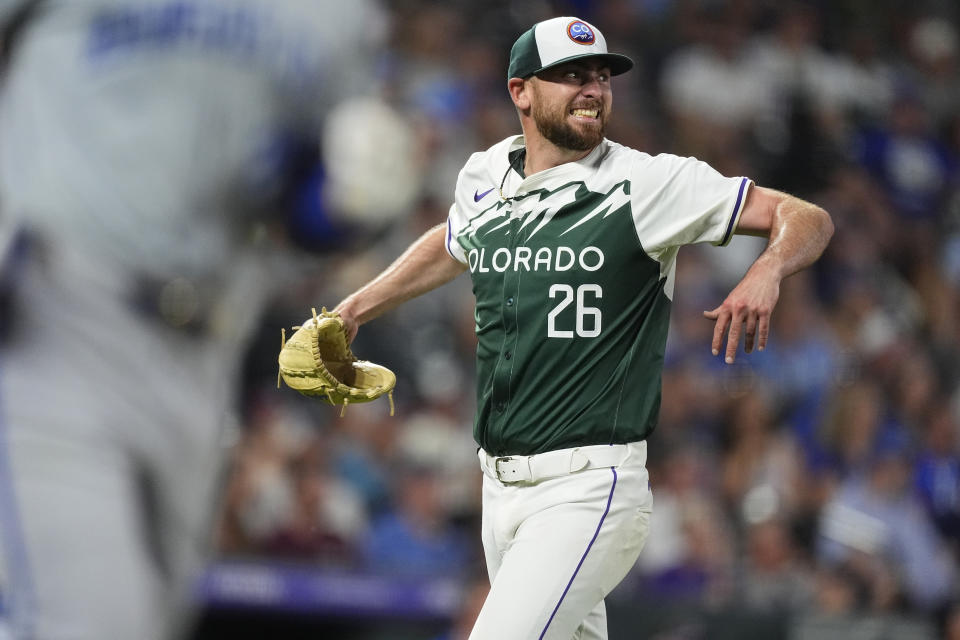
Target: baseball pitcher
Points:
(571, 242)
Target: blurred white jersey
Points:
(130, 126)
(135, 138)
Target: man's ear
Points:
(519, 92)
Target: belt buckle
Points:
(496, 466)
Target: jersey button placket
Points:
(501, 391)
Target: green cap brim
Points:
(617, 62)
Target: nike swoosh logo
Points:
(477, 197)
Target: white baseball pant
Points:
(558, 540)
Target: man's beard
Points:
(553, 125)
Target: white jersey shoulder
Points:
(478, 189)
(489, 166)
(674, 200)
(680, 200)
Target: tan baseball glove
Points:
(317, 361)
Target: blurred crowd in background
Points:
(821, 475)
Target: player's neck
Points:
(543, 154)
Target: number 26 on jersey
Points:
(586, 320)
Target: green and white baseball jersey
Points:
(573, 271)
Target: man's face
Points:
(572, 103)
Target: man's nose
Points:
(591, 86)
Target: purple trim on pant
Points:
(584, 556)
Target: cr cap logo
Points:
(580, 32)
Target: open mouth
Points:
(585, 113)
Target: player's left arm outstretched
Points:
(799, 232)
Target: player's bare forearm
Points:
(424, 266)
(799, 231)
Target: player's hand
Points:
(747, 309)
(349, 321)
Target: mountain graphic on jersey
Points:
(567, 300)
(537, 209)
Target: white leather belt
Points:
(553, 464)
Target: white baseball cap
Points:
(558, 40)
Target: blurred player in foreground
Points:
(140, 142)
(571, 242)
